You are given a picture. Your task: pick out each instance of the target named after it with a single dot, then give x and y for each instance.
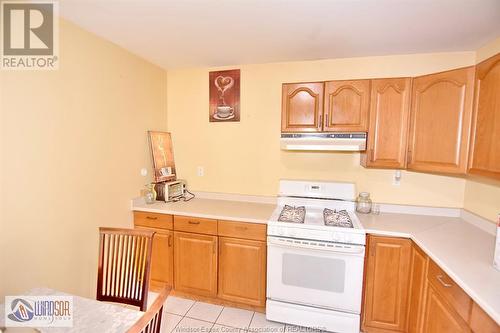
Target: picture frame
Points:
(224, 92)
(162, 155)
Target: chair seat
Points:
(152, 296)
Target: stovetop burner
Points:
(292, 214)
(336, 218)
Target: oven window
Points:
(312, 272)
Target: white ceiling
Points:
(185, 33)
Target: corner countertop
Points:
(463, 250)
(241, 211)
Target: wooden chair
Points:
(124, 266)
(150, 322)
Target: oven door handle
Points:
(356, 250)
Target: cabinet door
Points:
(242, 271)
(388, 124)
(195, 261)
(302, 107)
(386, 284)
(162, 259)
(418, 273)
(485, 143)
(346, 105)
(440, 121)
(439, 316)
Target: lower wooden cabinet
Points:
(418, 277)
(480, 322)
(195, 262)
(386, 284)
(162, 259)
(439, 316)
(242, 271)
(405, 291)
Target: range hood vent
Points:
(324, 141)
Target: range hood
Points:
(324, 141)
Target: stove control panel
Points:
(347, 237)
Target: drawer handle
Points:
(169, 240)
(151, 218)
(440, 279)
(194, 222)
(241, 228)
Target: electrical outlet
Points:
(200, 171)
(396, 180)
(144, 172)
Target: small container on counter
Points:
(364, 203)
(149, 194)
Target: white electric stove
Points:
(316, 249)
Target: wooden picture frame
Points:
(224, 88)
(162, 155)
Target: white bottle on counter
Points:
(496, 259)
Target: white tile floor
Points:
(187, 316)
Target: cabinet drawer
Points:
(480, 322)
(195, 224)
(243, 230)
(153, 220)
(457, 298)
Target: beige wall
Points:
(245, 157)
(72, 145)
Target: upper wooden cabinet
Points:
(485, 143)
(440, 121)
(346, 106)
(302, 107)
(386, 284)
(388, 124)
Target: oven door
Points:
(319, 274)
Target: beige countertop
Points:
(461, 249)
(212, 209)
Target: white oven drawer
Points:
(318, 274)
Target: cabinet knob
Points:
(440, 279)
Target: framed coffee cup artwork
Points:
(163, 156)
(224, 89)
